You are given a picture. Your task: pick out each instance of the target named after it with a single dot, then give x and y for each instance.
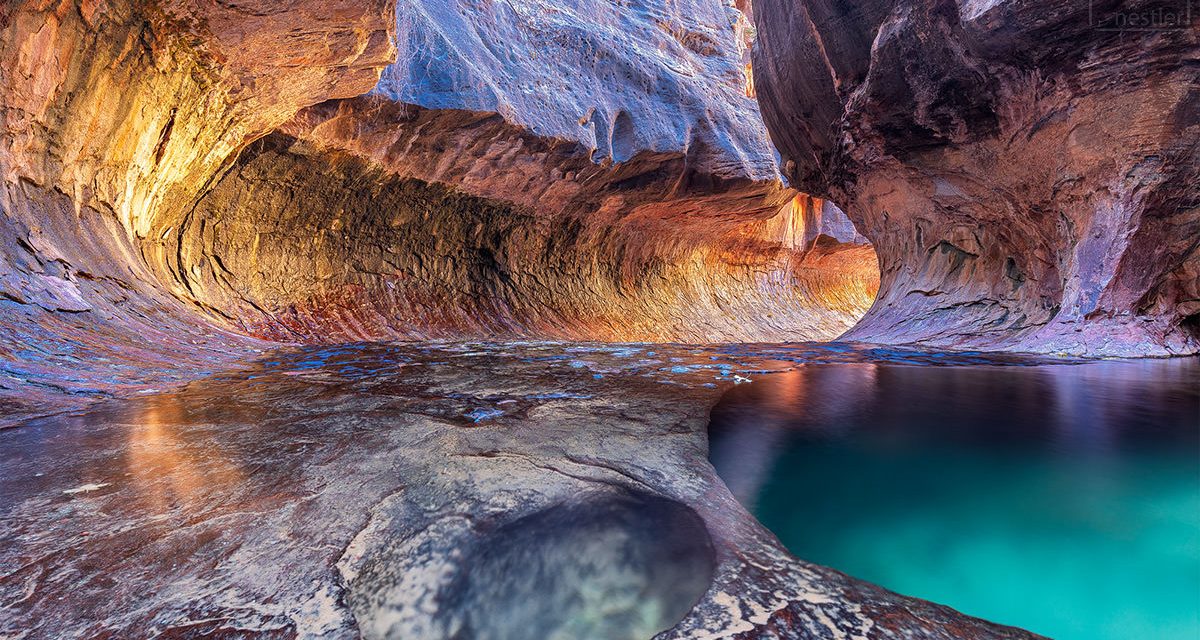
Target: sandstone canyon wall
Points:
(580, 170)
(1026, 171)
(114, 116)
(616, 185)
(182, 179)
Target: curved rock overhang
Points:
(115, 114)
(482, 230)
(525, 192)
(145, 212)
(1030, 184)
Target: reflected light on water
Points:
(166, 469)
(751, 441)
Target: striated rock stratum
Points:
(115, 117)
(1026, 171)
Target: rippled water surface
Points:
(1064, 499)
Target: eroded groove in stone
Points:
(614, 564)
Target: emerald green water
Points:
(1061, 499)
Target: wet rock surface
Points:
(83, 319)
(370, 489)
(1025, 171)
(613, 564)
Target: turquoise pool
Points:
(1063, 499)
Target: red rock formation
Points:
(1028, 178)
(575, 209)
(134, 106)
(136, 213)
(388, 220)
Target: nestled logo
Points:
(1162, 16)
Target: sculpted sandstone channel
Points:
(1031, 185)
(165, 208)
(193, 190)
(135, 188)
(575, 209)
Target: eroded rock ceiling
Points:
(602, 173)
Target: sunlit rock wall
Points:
(1026, 171)
(602, 173)
(114, 117)
(133, 107)
(585, 170)
(332, 247)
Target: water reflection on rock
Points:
(167, 471)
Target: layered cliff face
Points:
(1027, 172)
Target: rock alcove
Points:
(183, 182)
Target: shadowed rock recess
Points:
(1027, 171)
